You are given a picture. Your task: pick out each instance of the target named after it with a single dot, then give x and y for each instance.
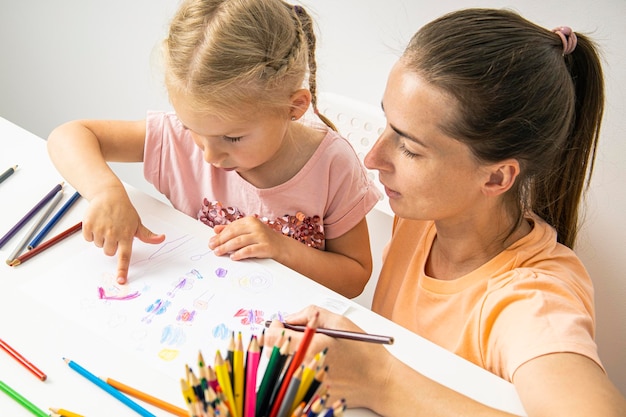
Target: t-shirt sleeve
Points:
(351, 193)
(534, 317)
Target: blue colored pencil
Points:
(54, 220)
(108, 388)
(30, 214)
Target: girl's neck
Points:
(300, 143)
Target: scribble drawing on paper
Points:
(104, 296)
(164, 249)
(202, 301)
(185, 316)
(250, 316)
(221, 331)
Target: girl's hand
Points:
(247, 237)
(111, 223)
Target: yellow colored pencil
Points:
(223, 378)
(238, 375)
(65, 413)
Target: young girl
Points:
(236, 153)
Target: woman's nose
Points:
(378, 157)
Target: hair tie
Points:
(568, 38)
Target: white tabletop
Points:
(50, 308)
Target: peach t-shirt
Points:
(333, 184)
(532, 299)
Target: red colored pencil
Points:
(295, 363)
(45, 245)
(22, 360)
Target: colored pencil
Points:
(109, 389)
(22, 400)
(4, 239)
(140, 395)
(6, 174)
(35, 226)
(45, 245)
(270, 379)
(238, 375)
(315, 384)
(286, 406)
(223, 377)
(341, 334)
(54, 220)
(298, 356)
(22, 360)
(308, 374)
(252, 366)
(64, 413)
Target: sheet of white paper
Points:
(180, 299)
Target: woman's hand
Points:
(349, 362)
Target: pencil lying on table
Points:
(140, 395)
(22, 360)
(4, 239)
(341, 334)
(55, 219)
(34, 227)
(6, 174)
(109, 389)
(45, 245)
(20, 399)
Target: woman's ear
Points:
(502, 176)
(300, 102)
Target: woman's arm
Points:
(369, 376)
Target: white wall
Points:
(69, 59)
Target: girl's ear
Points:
(300, 101)
(502, 176)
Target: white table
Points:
(43, 334)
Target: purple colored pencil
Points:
(30, 214)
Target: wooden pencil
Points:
(16, 228)
(140, 395)
(341, 334)
(45, 245)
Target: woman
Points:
(492, 126)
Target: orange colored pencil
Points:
(140, 395)
(45, 245)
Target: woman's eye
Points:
(232, 139)
(406, 152)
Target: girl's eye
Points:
(231, 139)
(406, 152)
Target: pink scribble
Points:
(103, 295)
(250, 316)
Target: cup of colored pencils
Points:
(234, 386)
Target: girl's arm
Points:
(345, 266)
(80, 151)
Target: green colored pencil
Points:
(21, 400)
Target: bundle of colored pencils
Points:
(288, 386)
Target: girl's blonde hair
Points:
(225, 54)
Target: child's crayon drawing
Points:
(179, 297)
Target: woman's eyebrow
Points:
(402, 133)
